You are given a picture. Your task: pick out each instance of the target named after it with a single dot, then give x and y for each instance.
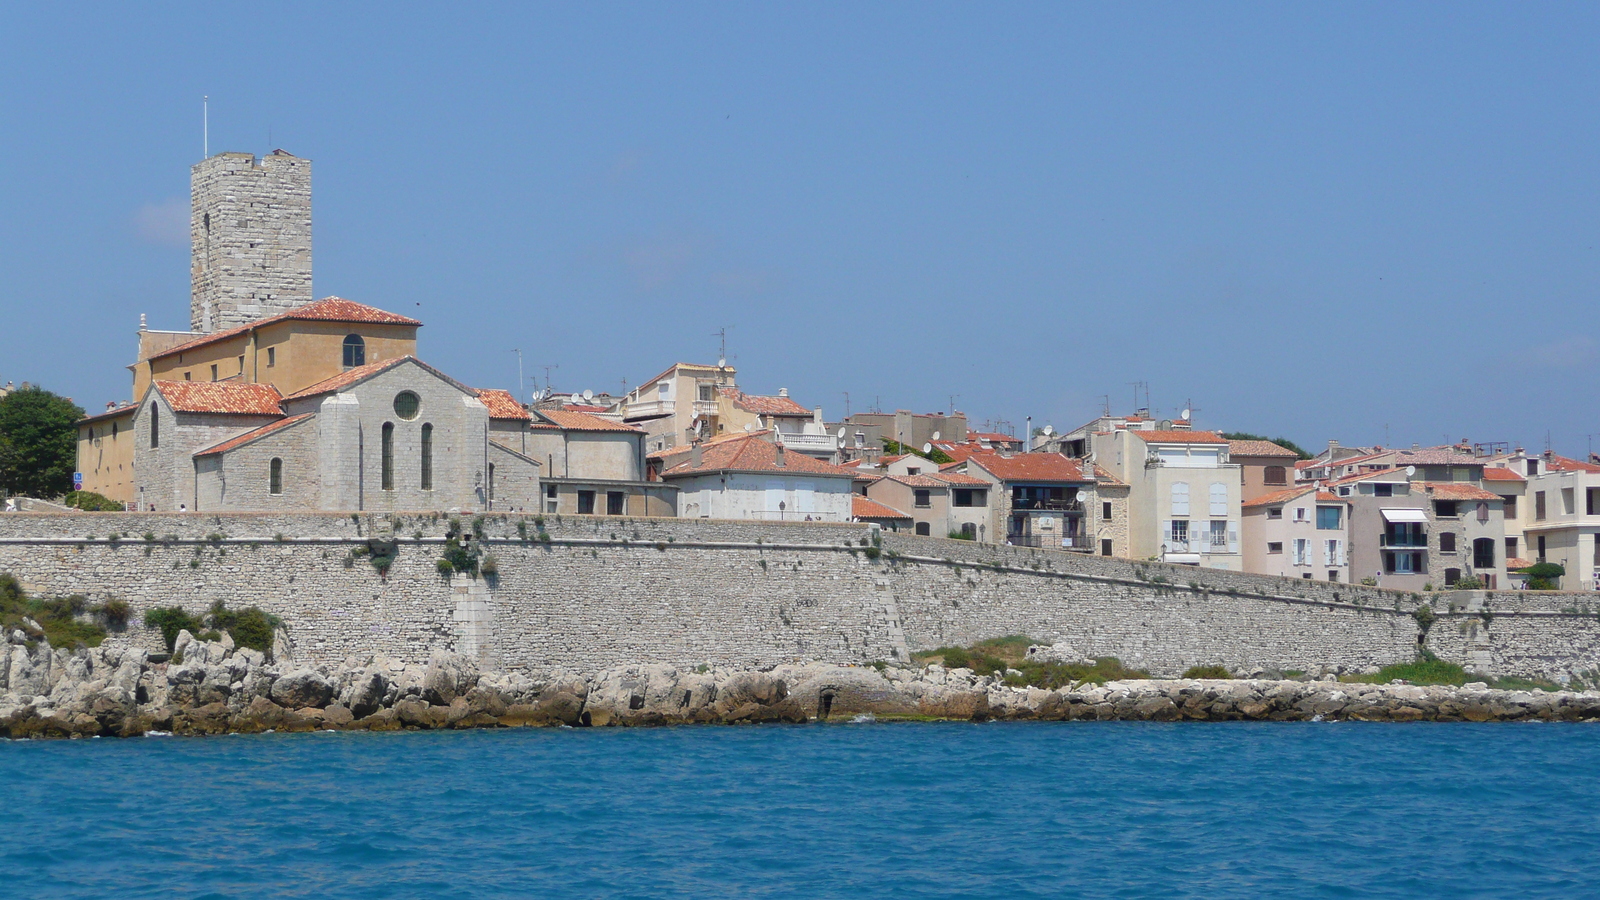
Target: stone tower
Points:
(250, 232)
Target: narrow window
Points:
(1511, 548)
(355, 351)
(1105, 512)
(241, 365)
(1105, 547)
(614, 503)
(213, 371)
(155, 426)
(272, 357)
(1538, 506)
(1447, 542)
(1510, 505)
(921, 499)
(114, 430)
(1180, 498)
(491, 481)
(388, 456)
(275, 476)
(427, 461)
(1219, 499)
(188, 376)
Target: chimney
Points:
(695, 456)
(777, 456)
(783, 392)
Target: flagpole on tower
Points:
(205, 126)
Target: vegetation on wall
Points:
(38, 442)
(89, 501)
(1007, 656)
(895, 448)
(248, 627)
(57, 620)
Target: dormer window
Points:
(355, 351)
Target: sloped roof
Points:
(922, 481)
(1499, 474)
(1276, 497)
(502, 405)
(1567, 464)
(748, 453)
(1435, 457)
(866, 508)
(253, 435)
(581, 421)
(1032, 467)
(328, 309)
(1458, 490)
(960, 478)
(1363, 476)
(224, 397)
(359, 374)
(763, 406)
(1259, 448)
(1179, 437)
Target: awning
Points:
(1404, 515)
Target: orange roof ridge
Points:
(328, 309)
(253, 435)
(221, 397)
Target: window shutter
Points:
(1180, 498)
(1219, 499)
(1233, 536)
(1166, 533)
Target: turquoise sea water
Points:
(868, 810)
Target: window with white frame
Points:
(1219, 499)
(1219, 534)
(1180, 498)
(1300, 551)
(1178, 535)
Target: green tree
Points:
(38, 442)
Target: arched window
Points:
(427, 457)
(355, 351)
(1275, 475)
(155, 426)
(491, 481)
(388, 456)
(275, 476)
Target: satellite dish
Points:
(1082, 496)
(927, 447)
(748, 426)
(841, 432)
(722, 362)
(1410, 471)
(588, 394)
(1049, 430)
(936, 435)
(1185, 414)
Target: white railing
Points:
(648, 408)
(705, 407)
(826, 442)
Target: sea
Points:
(851, 810)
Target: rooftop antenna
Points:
(205, 125)
(846, 403)
(952, 408)
(721, 334)
(521, 382)
(1189, 409)
(546, 368)
(1105, 404)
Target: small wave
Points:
(158, 734)
(863, 719)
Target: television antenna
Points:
(521, 382)
(546, 369)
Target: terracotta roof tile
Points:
(1276, 497)
(1458, 490)
(1179, 437)
(865, 508)
(1258, 448)
(328, 309)
(1329, 497)
(921, 481)
(1434, 457)
(960, 478)
(1032, 467)
(502, 405)
(1362, 476)
(748, 453)
(581, 421)
(764, 406)
(1565, 464)
(227, 397)
(1516, 562)
(1498, 474)
(347, 378)
(255, 434)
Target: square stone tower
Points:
(250, 233)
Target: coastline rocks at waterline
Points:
(220, 688)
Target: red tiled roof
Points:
(1032, 467)
(867, 478)
(960, 478)
(502, 405)
(764, 406)
(347, 378)
(581, 421)
(992, 436)
(1516, 562)
(328, 309)
(748, 453)
(1329, 497)
(1433, 457)
(248, 436)
(1565, 464)
(1362, 476)
(1258, 448)
(1458, 490)
(1499, 474)
(864, 508)
(1276, 497)
(1179, 437)
(227, 397)
(921, 481)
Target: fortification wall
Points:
(605, 591)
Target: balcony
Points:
(809, 443)
(649, 409)
(1054, 505)
(1403, 541)
(1051, 542)
(704, 407)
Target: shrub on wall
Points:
(89, 501)
(56, 619)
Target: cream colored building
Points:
(1298, 532)
(944, 504)
(749, 476)
(1184, 494)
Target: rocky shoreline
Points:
(217, 688)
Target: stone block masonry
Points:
(592, 592)
(250, 232)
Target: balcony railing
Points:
(705, 407)
(647, 409)
(1052, 542)
(813, 442)
(1055, 505)
(1409, 542)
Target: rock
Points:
(367, 693)
(302, 688)
(448, 676)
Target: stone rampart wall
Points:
(607, 591)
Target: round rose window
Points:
(406, 405)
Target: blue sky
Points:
(1344, 221)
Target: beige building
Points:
(1039, 500)
(1184, 494)
(1413, 535)
(677, 406)
(1264, 467)
(944, 504)
(1298, 532)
